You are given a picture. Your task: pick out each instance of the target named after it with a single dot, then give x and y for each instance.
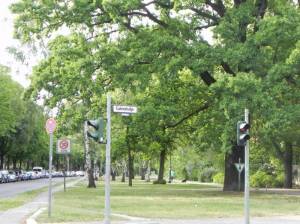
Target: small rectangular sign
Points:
(125, 109)
(63, 146)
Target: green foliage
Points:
(160, 182)
(218, 178)
(263, 179)
(189, 91)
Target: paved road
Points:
(12, 189)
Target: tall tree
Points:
(127, 42)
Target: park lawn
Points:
(174, 201)
(19, 200)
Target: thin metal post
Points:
(107, 163)
(247, 193)
(64, 173)
(240, 172)
(50, 176)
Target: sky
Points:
(19, 71)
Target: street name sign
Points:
(50, 125)
(63, 146)
(124, 109)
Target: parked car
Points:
(27, 176)
(23, 175)
(3, 176)
(32, 175)
(38, 171)
(79, 173)
(12, 176)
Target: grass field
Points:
(175, 201)
(19, 200)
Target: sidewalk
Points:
(19, 215)
(256, 220)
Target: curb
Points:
(31, 219)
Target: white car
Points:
(80, 173)
(12, 176)
(32, 175)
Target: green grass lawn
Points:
(19, 200)
(186, 201)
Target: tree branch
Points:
(206, 26)
(205, 14)
(218, 7)
(202, 108)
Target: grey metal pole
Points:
(246, 193)
(107, 163)
(64, 173)
(50, 176)
(240, 172)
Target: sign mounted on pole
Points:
(239, 167)
(50, 125)
(63, 146)
(50, 128)
(124, 109)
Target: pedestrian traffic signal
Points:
(242, 133)
(98, 134)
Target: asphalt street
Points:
(12, 189)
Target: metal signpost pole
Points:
(50, 176)
(64, 172)
(240, 172)
(246, 193)
(107, 163)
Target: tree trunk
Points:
(89, 168)
(14, 164)
(130, 158)
(8, 163)
(231, 173)
(143, 173)
(130, 168)
(2, 161)
(123, 171)
(148, 171)
(113, 174)
(162, 159)
(123, 176)
(288, 166)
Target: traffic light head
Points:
(98, 134)
(242, 133)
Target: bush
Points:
(207, 174)
(218, 178)
(265, 179)
(159, 182)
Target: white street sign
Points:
(63, 146)
(124, 109)
(239, 167)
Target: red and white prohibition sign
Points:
(63, 146)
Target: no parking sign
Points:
(63, 146)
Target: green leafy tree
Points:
(123, 44)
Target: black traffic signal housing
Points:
(98, 134)
(242, 133)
